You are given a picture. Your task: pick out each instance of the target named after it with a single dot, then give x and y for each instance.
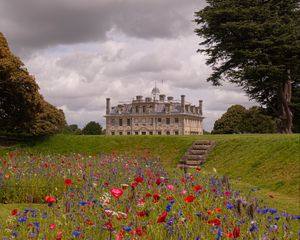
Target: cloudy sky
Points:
(82, 51)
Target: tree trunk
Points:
(286, 118)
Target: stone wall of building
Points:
(154, 117)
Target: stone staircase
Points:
(196, 154)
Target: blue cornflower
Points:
(14, 234)
(82, 203)
(294, 217)
(168, 207)
(253, 228)
(76, 233)
(272, 210)
(229, 206)
(127, 228)
(284, 214)
(21, 219)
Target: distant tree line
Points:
(238, 119)
(91, 128)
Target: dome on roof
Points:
(155, 91)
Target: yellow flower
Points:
(6, 176)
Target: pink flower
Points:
(116, 192)
(171, 187)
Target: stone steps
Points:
(196, 154)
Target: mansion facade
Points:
(156, 115)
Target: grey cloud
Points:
(42, 23)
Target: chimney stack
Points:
(200, 107)
(162, 97)
(182, 103)
(107, 105)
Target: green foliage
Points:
(238, 119)
(23, 111)
(72, 129)
(256, 45)
(254, 120)
(230, 121)
(92, 128)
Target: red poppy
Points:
(139, 231)
(156, 197)
(218, 210)
(89, 222)
(52, 226)
(147, 151)
(68, 182)
(183, 179)
(158, 181)
(228, 234)
(197, 188)
(162, 217)
(141, 214)
(227, 193)
(189, 198)
(236, 232)
(59, 236)
(116, 192)
(138, 179)
(50, 199)
(14, 212)
(148, 195)
(108, 226)
(215, 222)
(169, 198)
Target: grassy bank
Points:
(270, 162)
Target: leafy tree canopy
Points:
(238, 119)
(256, 45)
(23, 111)
(92, 128)
(72, 129)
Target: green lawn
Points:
(271, 161)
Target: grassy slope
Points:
(268, 161)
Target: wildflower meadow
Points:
(128, 197)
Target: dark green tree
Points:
(256, 45)
(23, 110)
(230, 121)
(238, 119)
(92, 128)
(255, 120)
(72, 129)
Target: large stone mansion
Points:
(156, 115)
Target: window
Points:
(128, 121)
(136, 133)
(176, 120)
(176, 132)
(159, 132)
(168, 132)
(120, 122)
(137, 109)
(144, 109)
(128, 133)
(113, 121)
(144, 133)
(120, 133)
(151, 133)
(112, 133)
(159, 120)
(168, 120)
